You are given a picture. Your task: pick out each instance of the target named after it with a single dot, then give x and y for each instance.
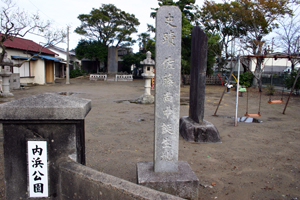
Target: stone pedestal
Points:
(201, 133)
(183, 183)
(55, 119)
(5, 84)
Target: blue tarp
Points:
(22, 58)
(49, 58)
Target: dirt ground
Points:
(254, 160)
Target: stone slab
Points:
(183, 183)
(81, 182)
(198, 74)
(144, 99)
(47, 106)
(200, 133)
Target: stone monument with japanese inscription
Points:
(166, 173)
(193, 128)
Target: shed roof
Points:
(25, 44)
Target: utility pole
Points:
(67, 68)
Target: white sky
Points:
(65, 12)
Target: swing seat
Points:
(253, 115)
(276, 101)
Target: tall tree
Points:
(91, 49)
(108, 25)
(289, 37)
(143, 39)
(219, 19)
(17, 23)
(259, 19)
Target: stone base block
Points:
(6, 94)
(183, 183)
(195, 132)
(144, 99)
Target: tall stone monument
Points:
(166, 173)
(112, 63)
(194, 128)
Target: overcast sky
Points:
(65, 12)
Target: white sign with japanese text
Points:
(37, 168)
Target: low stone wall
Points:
(98, 77)
(124, 77)
(80, 182)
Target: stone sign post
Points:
(194, 128)
(166, 173)
(112, 63)
(40, 132)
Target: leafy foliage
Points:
(246, 79)
(108, 25)
(290, 79)
(91, 50)
(219, 18)
(270, 89)
(76, 72)
(135, 59)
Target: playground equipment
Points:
(220, 78)
(291, 91)
(276, 101)
(215, 114)
(258, 113)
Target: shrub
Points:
(270, 89)
(290, 79)
(76, 72)
(246, 79)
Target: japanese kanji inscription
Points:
(37, 168)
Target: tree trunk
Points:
(257, 73)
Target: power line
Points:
(44, 13)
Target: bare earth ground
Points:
(254, 160)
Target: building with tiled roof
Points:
(40, 69)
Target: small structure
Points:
(61, 54)
(148, 65)
(5, 74)
(36, 70)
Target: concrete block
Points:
(183, 183)
(47, 106)
(81, 182)
(195, 132)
